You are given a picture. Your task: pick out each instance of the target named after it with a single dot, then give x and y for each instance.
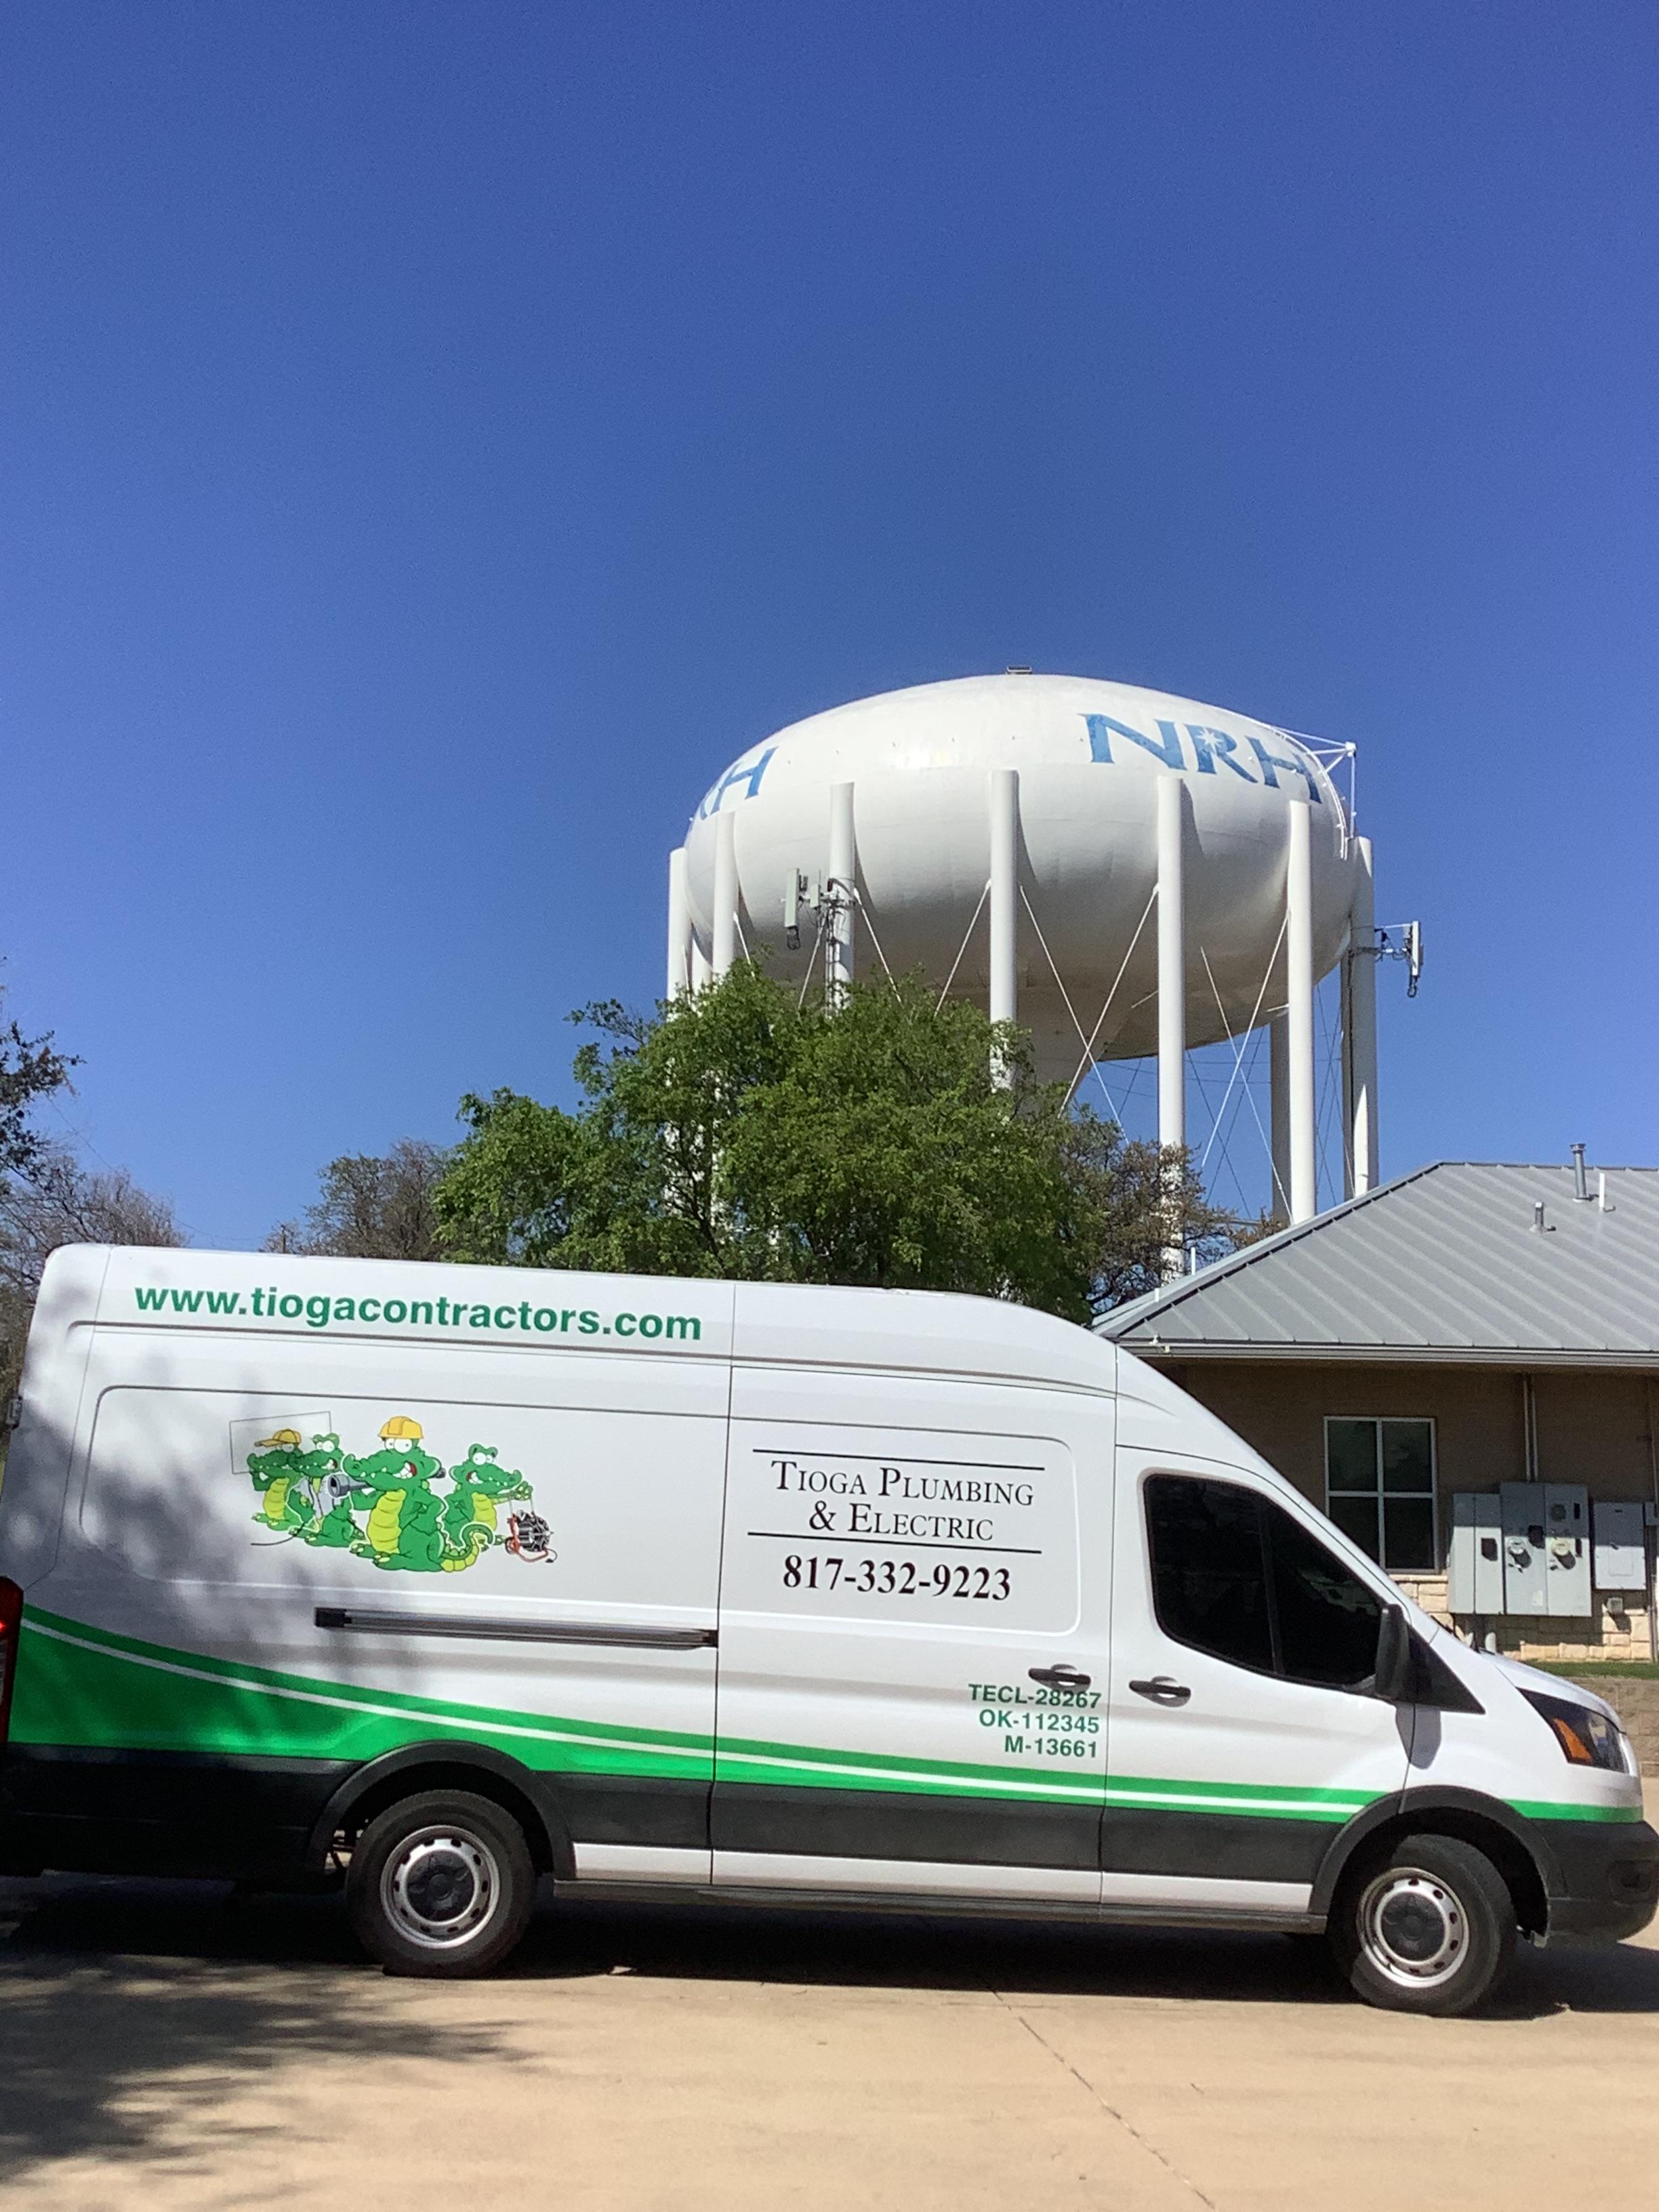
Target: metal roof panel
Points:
(1442, 1260)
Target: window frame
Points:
(1379, 1495)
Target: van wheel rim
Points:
(441, 1888)
(1412, 1929)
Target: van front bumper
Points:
(1609, 1872)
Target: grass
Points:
(1639, 1670)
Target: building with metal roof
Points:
(1456, 1332)
(1461, 1262)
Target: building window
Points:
(1379, 1489)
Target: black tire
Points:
(441, 1885)
(1429, 1927)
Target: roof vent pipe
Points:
(1538, 1214)
(1580, 1183)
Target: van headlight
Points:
(1586, 1737)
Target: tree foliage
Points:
(372, 1206)
(47, 1198)
(55, 1201)
(743, 1133)
(30, 1069)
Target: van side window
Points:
(1209, 1579)
(1327, 1619)
(1234, 1574)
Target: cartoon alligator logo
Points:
(316, 1497)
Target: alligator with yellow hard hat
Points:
(382, 1504)
(273, 1463)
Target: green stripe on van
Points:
(82, 1686)
(91, 1687)
(237, 1674)
(809, 1768)
(1546, 1809)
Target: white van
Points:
(449, 1578)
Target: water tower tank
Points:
(1010, 834)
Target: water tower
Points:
(1122, 872)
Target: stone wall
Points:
(1619, 1628)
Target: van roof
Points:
(240, 1295)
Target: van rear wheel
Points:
(441, 1885)
(1430, 1927)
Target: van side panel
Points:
(283, 1560)
(901, 1553)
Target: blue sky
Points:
(438, 438)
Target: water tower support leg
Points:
(1278, 1094)
(1299, 1012)
(702, 970)
(1005, 898)
(679, 928)
(1172, 968)
(1359, 1027)
(843, 878)
(1172, 978)
(726, 893)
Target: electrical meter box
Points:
(1522, 1510)
(1474, 1557)
(1547, 1549)
(1621, 1547)
(1567, 1549)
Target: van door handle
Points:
(1162, 1690)
(1060, 1678)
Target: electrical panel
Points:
(1547, 1549)
(1621, 1549)
(1567, 1550)
(1474, 1557)
(1525, 1573)
(1527, 1549)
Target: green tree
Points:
(743, 1133)
(30, 1069)
(372, 1206)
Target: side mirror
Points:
(1393, 1680)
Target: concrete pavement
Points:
(162, 2045)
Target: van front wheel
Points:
(1429, 1929)
(441, 1884)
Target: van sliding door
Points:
(911, 1666)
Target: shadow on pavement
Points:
(728, 1943)
(126, 2006)
(68, 1917)
(732, 1943)
(1615, 1977)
